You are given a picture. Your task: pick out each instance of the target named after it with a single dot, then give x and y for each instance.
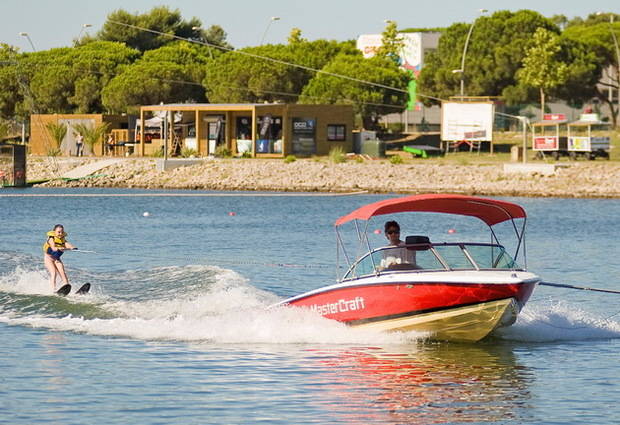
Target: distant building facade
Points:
(272, 130)
(42, 142)
(416, 46)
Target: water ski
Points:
(83, 289)
(64, 290)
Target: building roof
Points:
(206, 106)
(550, 122)
(588, 122)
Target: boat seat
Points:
(403, 266)
(417, 240)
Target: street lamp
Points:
(462, 70)
(25, 34)
(84, 26)
(271, 20)
(199, 29)
(613, 35)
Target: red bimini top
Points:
(490, 211)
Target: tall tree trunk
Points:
(613, 108)
(542, 103)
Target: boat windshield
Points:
(433, 257)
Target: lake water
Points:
(176, 329)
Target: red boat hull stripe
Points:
(415, 313)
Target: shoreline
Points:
(579, 179)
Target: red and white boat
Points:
(453, 291)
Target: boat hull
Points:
(457, 311)
(468, 323)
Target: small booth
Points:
(12, 165)
(549, 136)
(43, 142)
(588, 137)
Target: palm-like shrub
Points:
(337, 155)
(92, 135)
(58, 133)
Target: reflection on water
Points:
(434, 383)
(52, 362)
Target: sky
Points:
(55, 23)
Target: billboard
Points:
(546, 143)
(304, 137)
(411, 56)
(467, 121)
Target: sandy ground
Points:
(598, 178)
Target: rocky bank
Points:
(576, 179)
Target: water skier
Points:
(54, 246)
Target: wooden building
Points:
(257, 130)
(42, 143)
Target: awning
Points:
(158, 119)
(488, 210)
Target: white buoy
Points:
(146, 214)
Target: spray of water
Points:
(559, 321)
(216, 305)
(212, 304)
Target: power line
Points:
(168, 80)
(254, 55)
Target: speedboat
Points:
(455, 291)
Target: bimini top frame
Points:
(490, 211)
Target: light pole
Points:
(25, 34)
(271, 20)
(613, 34)
(462, 70)
(84, 26)
(199, 29)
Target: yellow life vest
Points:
(58, 241)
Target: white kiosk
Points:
(588, 137)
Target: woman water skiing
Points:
(53, 248)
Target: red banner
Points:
(546, 143)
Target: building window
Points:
(244, 128)
(336, 132)
(268, 134)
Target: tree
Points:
(58, 132)
(215, 36)
(391, 42)
(10, 93)
(583, 72)
(560, 20)
(92, 134)
(495, 52)
(593, 19)
(172, 73)
(4, 129)
(596, 35)
(150, 83)
(542, 67)
(68, 80)
(386, 94)
(270, 73)
(294, 37)
(179, 52)
(122, 26)
(236, 77)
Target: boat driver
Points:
(397, 253)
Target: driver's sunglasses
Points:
(391, 232)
